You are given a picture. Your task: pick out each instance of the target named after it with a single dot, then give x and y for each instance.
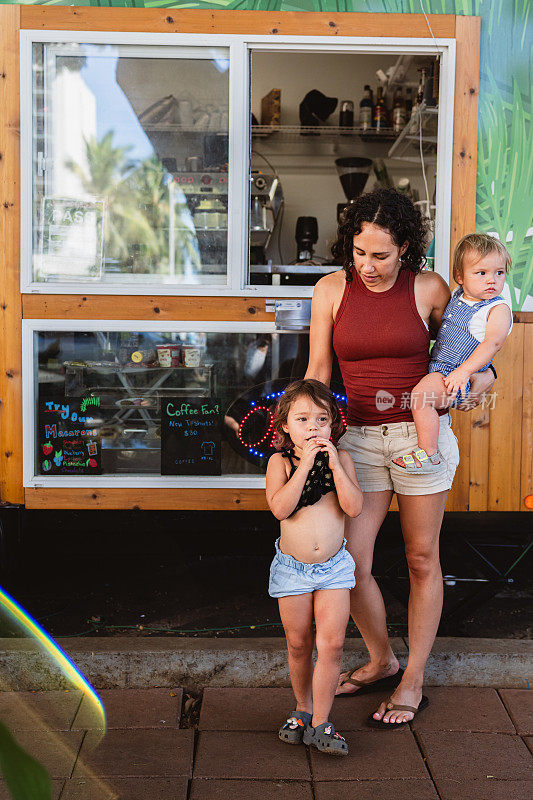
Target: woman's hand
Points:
(480, 384)
(326, 446)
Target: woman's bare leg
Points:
(366, 602)
(421, 519)
(296, 612)
(332, 612)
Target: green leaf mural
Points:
(25, 777)
(504, 180)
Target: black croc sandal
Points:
(392, 706)
(293, 730)
(325, 739)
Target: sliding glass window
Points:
(129, 165)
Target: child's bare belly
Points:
(315, 533)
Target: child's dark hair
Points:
(392, 211)
(320, 395)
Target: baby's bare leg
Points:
(429, 395)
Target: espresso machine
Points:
(206, 195)
(266, 199)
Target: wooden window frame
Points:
(15, 307)
(240, 49)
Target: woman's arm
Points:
(480, 384)
(321, 334)
(439, 299)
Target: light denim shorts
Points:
(289, 576)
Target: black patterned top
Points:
(319, 480)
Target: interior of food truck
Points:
(325, 128)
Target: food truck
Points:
(171, 184)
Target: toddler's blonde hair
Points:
(482, 244)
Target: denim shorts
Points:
(289, 576)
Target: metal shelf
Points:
(169, 127)
(409, 137)
(293, 269)
(325, 132)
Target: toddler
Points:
(310, 486)
(474, 327)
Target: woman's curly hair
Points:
(392, 211)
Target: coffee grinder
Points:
(306, 236)
(353, 172)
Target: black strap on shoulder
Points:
(290, 454)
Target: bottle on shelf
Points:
(366, 109)
(346, 117)
(399, 113)
(381, 173)
(404, 187)
(380, 111)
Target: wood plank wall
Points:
(526, 466)
(463, 215)
(10, 299)
(282, 23)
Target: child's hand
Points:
(309, 451)
(457, 379)
(333, 457)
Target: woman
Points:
(376, 314)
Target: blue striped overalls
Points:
(454, 342)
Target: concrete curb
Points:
(194, 663)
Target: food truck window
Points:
(129, 165)
(194, 402)
(325, 127)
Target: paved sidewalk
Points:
(470, 744)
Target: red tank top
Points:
(383, 349)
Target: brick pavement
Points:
(470, 744)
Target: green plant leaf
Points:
(25, 777)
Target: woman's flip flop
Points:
(390, 682)
(392, 706)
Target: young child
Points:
(474, 327)
(310, 487)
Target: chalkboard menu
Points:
(190, 436)
(68, 440)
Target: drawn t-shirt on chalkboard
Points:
(191, 434)
(69, 442)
